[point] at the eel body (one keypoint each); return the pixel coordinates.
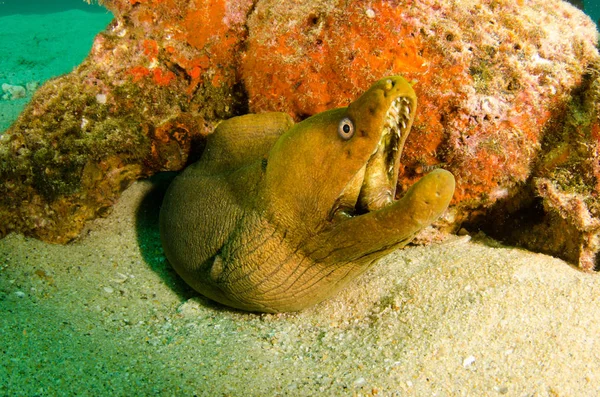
(278, 216)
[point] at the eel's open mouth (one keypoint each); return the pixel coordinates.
(374, 185)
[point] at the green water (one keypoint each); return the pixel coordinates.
(9, 7)
(592, 8)
(40, 40)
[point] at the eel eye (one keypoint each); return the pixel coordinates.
(346, 129)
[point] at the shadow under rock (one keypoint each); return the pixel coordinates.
(148, 235)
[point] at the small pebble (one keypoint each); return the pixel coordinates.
(20, 294)
(467, 362)
(32, 86)
(360, 382)
(370, 13)
(101, 98)
(191, 307)
(108, 290)
(463, 232)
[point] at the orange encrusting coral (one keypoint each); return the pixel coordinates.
(139, 72)
(479, 112)
(162, 77)
(150, 49)
(328, 60)
(201, 38)
(204, 25)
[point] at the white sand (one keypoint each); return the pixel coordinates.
(107, 316)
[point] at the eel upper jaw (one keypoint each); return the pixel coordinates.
(373, 187)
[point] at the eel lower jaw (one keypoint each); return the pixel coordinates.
(373, 187)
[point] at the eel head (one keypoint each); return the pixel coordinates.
(332, 177)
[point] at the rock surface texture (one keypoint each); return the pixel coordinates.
(509, 94)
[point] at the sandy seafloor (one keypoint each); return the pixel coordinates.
(107, 316)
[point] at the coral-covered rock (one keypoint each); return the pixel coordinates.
(154, 84)
(508, 101)
(558, 209)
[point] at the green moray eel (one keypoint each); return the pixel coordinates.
(278, 216)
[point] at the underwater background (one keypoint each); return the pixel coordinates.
(40, 40)
(106, 315)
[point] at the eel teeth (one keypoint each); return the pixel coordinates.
(398, 111)
(398, 114)
(406, 112)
